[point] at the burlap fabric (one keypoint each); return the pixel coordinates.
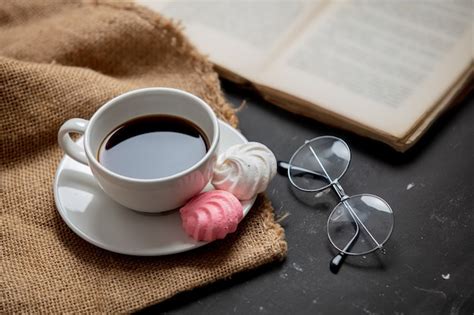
(59, 61)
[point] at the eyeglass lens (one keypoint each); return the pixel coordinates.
(309, 172)
(364, 233)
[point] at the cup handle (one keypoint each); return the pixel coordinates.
(71, 148)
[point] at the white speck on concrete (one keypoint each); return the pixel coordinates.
(438, 218)
(315, 301)
(431, 291)
(364, 309)
(410, 186)
(297, 267)
(260, 308)
(446, 276)
(283, 275)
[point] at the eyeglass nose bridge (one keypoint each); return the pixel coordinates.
(339, 190)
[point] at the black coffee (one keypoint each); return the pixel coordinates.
(153, 146)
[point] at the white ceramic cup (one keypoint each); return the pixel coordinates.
(146, 195)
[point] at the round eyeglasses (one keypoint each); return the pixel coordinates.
(359, 224)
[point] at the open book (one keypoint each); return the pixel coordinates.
(383, 69)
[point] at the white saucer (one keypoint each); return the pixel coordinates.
(102, 222)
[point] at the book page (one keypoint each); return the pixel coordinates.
(383, 64)
(238, 35)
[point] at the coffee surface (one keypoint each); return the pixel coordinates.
(152, 147)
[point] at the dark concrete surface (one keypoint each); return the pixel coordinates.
(428, 267)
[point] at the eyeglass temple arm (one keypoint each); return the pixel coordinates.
(336, 263)
(282, 169)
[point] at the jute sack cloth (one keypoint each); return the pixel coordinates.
(59, 61)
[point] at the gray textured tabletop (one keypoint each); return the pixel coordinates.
(428, 267)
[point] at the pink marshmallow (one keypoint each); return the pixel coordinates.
(211, 215)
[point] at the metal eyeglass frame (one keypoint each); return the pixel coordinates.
(337, 261)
